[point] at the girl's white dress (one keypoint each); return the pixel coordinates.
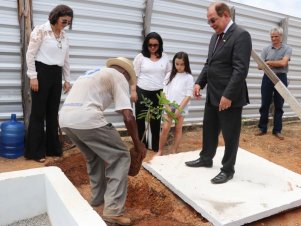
(180, 87)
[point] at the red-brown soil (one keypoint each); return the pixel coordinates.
(150, 203)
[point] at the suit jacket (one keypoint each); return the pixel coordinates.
(226, 69)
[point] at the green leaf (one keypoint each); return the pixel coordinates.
(156, 112)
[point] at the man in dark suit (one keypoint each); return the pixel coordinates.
(224, 73)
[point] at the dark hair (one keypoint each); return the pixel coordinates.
(221, 7)
(58, 11)
(182, 56)
(145, 50)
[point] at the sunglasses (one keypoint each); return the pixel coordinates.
(66, 22)
(212, 21)
(153, 45)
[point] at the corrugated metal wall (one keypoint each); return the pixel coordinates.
(113, 28)
(295, 65)
(10, 61)
(101, 29)
(259, 22)
(183, 26)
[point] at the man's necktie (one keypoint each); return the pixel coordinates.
(218, 41)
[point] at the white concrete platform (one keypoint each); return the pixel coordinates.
(259, 188)
(28, 193)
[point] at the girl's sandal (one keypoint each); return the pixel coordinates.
(42, 160)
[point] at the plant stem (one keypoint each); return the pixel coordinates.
(148, 118)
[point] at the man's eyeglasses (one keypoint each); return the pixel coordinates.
(153, 45)
(212, 21)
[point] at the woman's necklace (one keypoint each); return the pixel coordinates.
(59, 40)
(57, 36)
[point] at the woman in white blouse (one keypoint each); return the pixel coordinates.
(48, 63)
(151, 66)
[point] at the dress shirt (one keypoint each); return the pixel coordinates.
(46, 48)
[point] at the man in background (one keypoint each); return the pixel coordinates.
(276, 56)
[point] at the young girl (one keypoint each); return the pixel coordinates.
(178, 86)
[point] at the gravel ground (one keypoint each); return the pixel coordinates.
(40, 220)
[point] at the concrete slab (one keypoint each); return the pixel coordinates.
(259, 188)
(25, 194)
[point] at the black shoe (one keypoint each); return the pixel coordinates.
(199, 163)
(221, 178)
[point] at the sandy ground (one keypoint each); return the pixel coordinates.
(150, 203)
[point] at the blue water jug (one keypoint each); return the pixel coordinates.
(12, 138)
